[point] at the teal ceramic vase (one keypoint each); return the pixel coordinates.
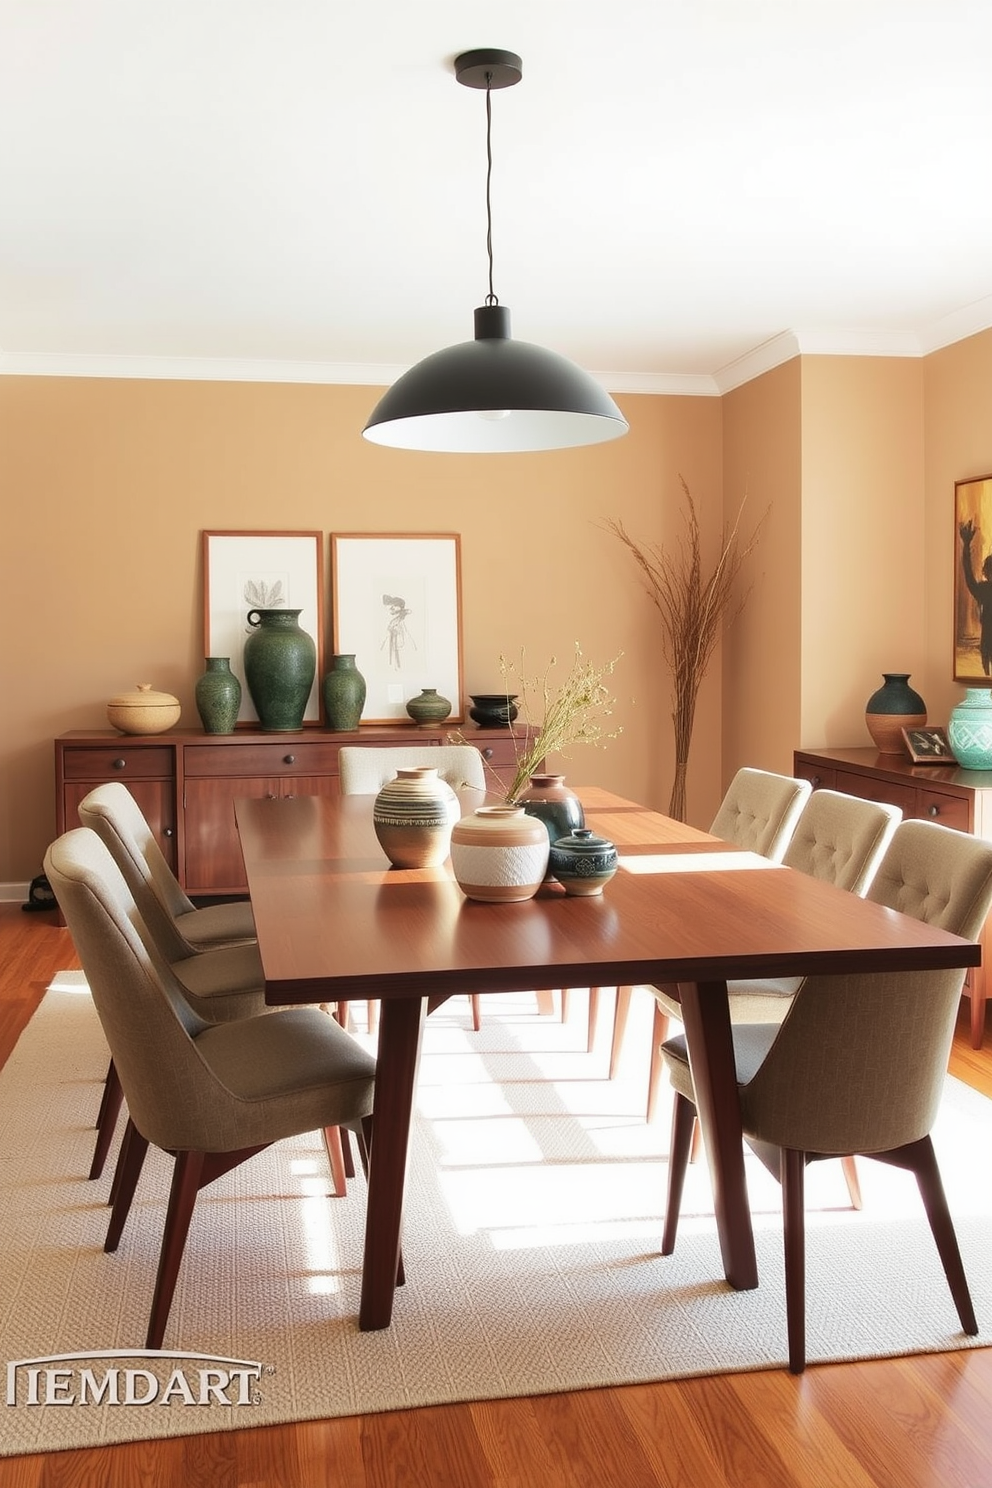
(280, 662)
(969, 729)
(218, 696)
(892, 708)
(428, 708)
(344, 694)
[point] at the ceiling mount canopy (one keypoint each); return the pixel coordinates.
(493, 394)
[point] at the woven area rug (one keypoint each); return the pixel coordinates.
(532, 1228)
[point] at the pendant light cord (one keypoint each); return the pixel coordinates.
(491, 297)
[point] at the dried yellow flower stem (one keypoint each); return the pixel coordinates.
(572, 713)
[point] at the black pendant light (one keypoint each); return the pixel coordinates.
(493, 394)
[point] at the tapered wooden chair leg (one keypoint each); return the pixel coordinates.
(793, 1207)
(545, 1003)
(106, 1121)
(850, 1167)
(129, 1166)
(473, 998)
(683, 1119)
(182, 1197)
(923, 1162)
(335, 1156)
(593, 1015)
(659, 1034)
(620, 1016)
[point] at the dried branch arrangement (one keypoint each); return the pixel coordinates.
(693, 608)
(575, 711)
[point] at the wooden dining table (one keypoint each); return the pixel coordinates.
(336, 923)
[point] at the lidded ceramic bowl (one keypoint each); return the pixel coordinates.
(582, 862)
(143, 710)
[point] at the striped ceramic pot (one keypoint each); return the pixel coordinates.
(413, 817)
(499, 854)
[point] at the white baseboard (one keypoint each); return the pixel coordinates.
(14, 893)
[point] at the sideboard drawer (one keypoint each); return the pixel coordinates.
(950, 811)
(870, 788)
(119, 761)
(272, 760)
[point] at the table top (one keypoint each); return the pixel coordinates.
(335, 921)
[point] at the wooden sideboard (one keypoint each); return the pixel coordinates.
(186, 782)
(942, 793)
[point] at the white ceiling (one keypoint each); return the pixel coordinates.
(295, 188)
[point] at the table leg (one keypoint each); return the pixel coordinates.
(401, 1022)
(706, 1018)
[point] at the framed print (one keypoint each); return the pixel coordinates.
(245, 571)
(929, 746)
(397, 605)
(973, 580)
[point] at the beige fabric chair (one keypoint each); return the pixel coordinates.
(759, 814)
(172, 917)
(364, 771)
(858, 1063)
(211, 1094)
(213, 952)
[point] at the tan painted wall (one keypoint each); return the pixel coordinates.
(958, 396)
(762, 662)
(864, 549)
(107, 486)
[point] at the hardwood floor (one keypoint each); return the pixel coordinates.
(915, 1422)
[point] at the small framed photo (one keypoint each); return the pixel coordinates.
(245, 571)
(396, 600)
(928, 746)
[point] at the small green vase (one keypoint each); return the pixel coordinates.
(428, 708)
(344, 694)
(280, 662)
(218, 696)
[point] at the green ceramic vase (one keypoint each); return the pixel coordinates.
(280, 662)
(344, 694)
(218, 696)
(429, 707)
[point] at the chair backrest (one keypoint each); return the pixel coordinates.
(760, 811)
(365, 770)
(150, 1027)
(112, 812)
(841, 839)
(858, 1064)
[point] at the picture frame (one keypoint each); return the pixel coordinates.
(929, 746)
(396, 604)
(244, 571)
(973, 580)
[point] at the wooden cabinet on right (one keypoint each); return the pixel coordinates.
(942, 793)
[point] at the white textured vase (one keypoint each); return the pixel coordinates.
(499, 854)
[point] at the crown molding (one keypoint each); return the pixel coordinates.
(958, 325)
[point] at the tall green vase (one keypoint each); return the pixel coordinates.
(344, 694)
(218, 696)
(280, 661)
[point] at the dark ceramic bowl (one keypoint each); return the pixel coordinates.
(582, 862)
(493, 709)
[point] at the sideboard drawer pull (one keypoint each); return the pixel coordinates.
(934, 811)
(120, 764)
(168, 832)
(289, 759)
(487, 753)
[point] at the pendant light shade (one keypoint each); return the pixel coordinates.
(493, 394)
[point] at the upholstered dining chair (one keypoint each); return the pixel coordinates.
(211, 1094)
(214, 958)
(759, 814)
(858, 1063)
(171, 915)
(839, 839)
(365, 770)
